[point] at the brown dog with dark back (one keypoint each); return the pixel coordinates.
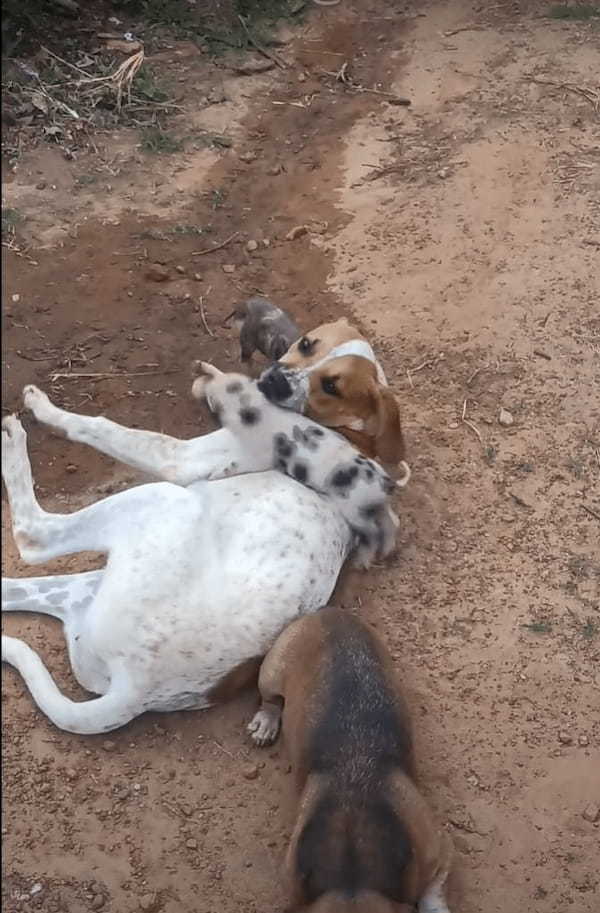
(364, 840)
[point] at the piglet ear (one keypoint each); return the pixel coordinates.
(389, 441)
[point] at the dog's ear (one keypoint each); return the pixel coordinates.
(389, 441)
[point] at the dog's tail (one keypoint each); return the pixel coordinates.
(59, 596)
(403, 482)
(102, 714)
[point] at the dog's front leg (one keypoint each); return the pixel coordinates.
(182, 462)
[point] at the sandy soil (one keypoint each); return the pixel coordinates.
(463, 234)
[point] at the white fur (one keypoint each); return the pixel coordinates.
(200, 575)
(292, 441)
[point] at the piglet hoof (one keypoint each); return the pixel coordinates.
(264, 727)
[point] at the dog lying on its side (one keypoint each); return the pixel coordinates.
(364, 840)
(314, 456)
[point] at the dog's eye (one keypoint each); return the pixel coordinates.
(328, 386)
(305, 345)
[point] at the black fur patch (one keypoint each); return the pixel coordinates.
(308, 437)
(343, 478)
(358, 740)
(300, 472)
(283, 446)
(234, 387)
(249, 416)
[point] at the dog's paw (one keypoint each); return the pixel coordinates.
(264, 727)
(14, 446)
(37, 402)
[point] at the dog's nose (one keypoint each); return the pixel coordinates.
(275, 385)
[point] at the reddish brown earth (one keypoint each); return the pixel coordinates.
(473, 264)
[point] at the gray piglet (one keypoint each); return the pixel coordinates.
(265, 327)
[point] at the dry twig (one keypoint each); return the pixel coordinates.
(469, 424)
(211, 250)
(203, 315)
(262, 50)
(109, 374)
(591, 511)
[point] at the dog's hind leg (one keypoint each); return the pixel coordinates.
(60, 596)
(114, 709)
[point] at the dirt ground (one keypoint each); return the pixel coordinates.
(463, 235)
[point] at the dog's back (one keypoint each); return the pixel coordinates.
(354, 841)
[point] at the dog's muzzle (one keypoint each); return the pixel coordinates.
(274, 385)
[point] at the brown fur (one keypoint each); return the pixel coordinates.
(305, 668)
(359, 397)
(235, 680)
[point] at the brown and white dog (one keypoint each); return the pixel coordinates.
(364, 840)
(332, 376)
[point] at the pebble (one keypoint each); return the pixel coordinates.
(453, 425)
(97, 902)
(191, 844)
(565, 738)
(248, 156)
(36, 888)
(41, 185)
(591, 812)
(250, 772)
(148, 902)
(71, 467)
(197, 277)
(228, 268)
(108, 745)
(180, 269)
(157, 273)
(443, 173)
(505, 418)
(275, 169)
(583, 741)
(252, 245)
(15, 298)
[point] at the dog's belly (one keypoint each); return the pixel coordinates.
(186, 602)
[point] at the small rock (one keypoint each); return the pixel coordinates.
(148, 902)
(252, 245)
(71, 467)
(453, 425)
(301, 77)
(41, 185)
(108, 745)
(583, 741)
(97, 902)
(36, 889)
(591, 812)
(473, 780)
(228, 268)
(156, 273)
(197, 277)
(180, 269)
(250, 772)
(275, 169)
(565, 738)
(15, 298)
(248, 157)
(505, 418)
(266, 242)
(296, 232)
(443, 173)
(122, 794)
(191, 844)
